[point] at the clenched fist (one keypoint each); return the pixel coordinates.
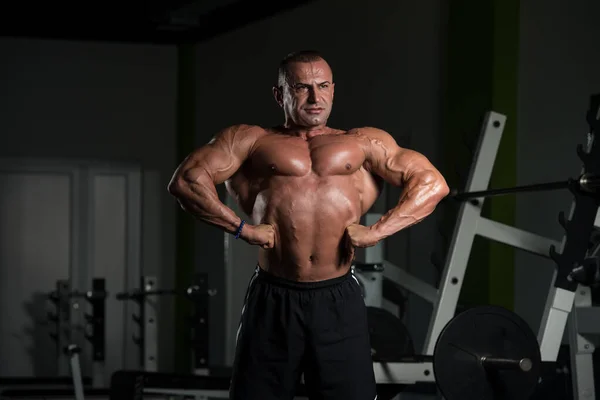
(361, 236)
(262, 235)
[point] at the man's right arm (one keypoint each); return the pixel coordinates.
(195, 179)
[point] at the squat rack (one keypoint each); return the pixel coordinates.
(564, 293)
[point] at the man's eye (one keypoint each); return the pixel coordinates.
(324, 86)
(300, 88)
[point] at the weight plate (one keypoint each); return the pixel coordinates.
(485, 331)
(390, 340)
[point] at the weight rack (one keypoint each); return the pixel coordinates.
(148, 297)
(585, 321)
(563, 294)
(146, 319)
(65, 300)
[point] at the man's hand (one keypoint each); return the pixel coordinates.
(262, 235)
(362, 236)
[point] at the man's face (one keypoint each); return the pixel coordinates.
(307, 96)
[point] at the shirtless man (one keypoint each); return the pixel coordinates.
(305, 187)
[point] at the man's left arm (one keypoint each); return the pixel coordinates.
(423, 186)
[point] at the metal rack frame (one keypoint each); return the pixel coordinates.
(560, 302)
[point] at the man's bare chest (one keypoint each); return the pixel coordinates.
(324, 156)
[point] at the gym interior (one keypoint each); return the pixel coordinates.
(110, 291)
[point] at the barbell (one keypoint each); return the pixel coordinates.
(483, 353)
(586, 182)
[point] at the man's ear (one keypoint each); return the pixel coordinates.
(278, 94)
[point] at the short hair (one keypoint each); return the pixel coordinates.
(298, 56)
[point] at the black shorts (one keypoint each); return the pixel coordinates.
(292, 330)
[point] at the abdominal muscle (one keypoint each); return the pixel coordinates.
(310, 217)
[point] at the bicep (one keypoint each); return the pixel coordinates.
(395, 164)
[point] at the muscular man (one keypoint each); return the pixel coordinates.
(305, 187)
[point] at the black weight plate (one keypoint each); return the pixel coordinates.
(485, 331)
(390, 340)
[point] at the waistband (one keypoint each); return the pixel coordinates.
(268, 277)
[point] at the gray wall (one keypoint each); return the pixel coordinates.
(101, 101)
(559, 65)
(386, 61)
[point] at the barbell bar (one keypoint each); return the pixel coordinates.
(523, 364)
(587, 182)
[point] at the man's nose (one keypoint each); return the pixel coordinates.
(312, 95)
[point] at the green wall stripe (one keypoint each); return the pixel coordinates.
(468, 97)
(186, 127)
(482, 46)
(505, 100)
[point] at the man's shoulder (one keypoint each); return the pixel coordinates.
(249, 129)
(370, 133)
(367, 130)
(241, 132)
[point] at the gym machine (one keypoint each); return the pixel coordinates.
(577, 270)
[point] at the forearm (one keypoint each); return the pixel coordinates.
(419, 198)
(199, 197)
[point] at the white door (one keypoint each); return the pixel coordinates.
(37, 207)
(114, 209)
(73, 221)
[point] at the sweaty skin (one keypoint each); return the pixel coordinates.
(305, 185)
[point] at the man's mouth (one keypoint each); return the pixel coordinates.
(313, 110)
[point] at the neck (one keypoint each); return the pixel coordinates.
(305, 132)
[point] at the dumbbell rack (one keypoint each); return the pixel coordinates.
(564, 295)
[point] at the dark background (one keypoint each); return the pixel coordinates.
(146, 84)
